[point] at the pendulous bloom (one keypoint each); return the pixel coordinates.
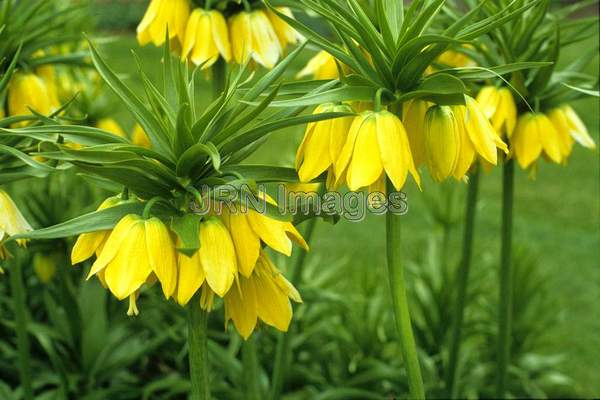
(160, 15)
(442, 141)
(12, 222)
(91, 243)
(136, 250)
(498, 105)
(413, 118)
(534, 135)
(570, 128)
(285, 33)
(206, 37)
(321, 66)
(28, 91)
(322, 144)
(253, 36)
(264, 295)
(376, 145)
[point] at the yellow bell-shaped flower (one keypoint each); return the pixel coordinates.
(533, 134)
(206, 37)
(215, 262)
(136, 249)
(250, 229)
(12, 222)
(29, 91)
(442, 141)
(253, 36)
(160, 15)
(569, 125)
(377, 143)
(322, 144)
(321, 66)
(413, 118)
(264, 295)
(285, 33)
(498, 105)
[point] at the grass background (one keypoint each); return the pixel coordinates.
(557, 215)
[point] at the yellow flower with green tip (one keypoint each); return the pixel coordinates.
(206, 37)
(135, 249)
(160, 15)
(322, 144)
(12, 222)
(442, 141)
(264, 295)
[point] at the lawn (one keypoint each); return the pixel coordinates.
(557, 217)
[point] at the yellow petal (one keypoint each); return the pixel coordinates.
(488, 99)
(86, 246)
(389, 136)
(217, 255)
(191, 33)
(265, 45)
(414, 122)
(578, 129)
(442, 142)
(273, 304)
(241, 37)
(246, 241)
(190, 277)
(240, 306)
(549, 138)
(480, 131)
(161, 254)
(526, 141)
(270, 231)
(467, 152)
(316, 152)
(113, 243)
(346, 154)
(365, 166)
(220, 34)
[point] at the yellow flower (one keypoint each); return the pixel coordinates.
(376, 143)
(442, 141)
(264, 295)
(44, 266)
(413, 117)
(321, 66)
(29, 91)
(249, 229)
(252, 35)
(570, 126)
(12, 221)
(91, 243)
(140, 138)
(214, 263)
(206, 37)
(498, 105)
(456, 59)
(535, 133)
(160, 15)
(322, 144)
(135, 249)
(285, 33)
(112, 126)
(477, 137)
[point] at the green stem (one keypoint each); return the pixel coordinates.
(400, 303)
(250, 362)
(20, 310)
(198, 351)
(282, 352)
(219, 71)
(462, 280)
(505, 303)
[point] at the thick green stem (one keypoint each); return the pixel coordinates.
(20, 310)
(282, 352)
(250, 362)
(198, 351)
(462, 280)
(400, 303)
(219, 71)
(505, 300)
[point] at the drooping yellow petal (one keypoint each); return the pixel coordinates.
(86, 245)
(220, 34)
(217, 255)
(11, 220)
(480, 131)
(345, 155)
(130, 268)
(365, 166)
(285, 33)
(161, 255)
(505, 118)
(442, 142)
(246, 242)
(270, 231)
(273, 304)
(413, 118)
(191, 33)
(241, 37)
(467, 152)
(560, 123)
(393, 157)
(241, 307)
(578, 129)
(266, 48)
(321, 66)
(549, 138)
(113, 243)
(190, 277)
(488, 99)
(526, 141)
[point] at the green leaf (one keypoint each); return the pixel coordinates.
(187, 229)
(25, 158)
(91, 222)
(346, 93)
(85, 135)
(263, 173)
(196, 156)
(437, 86)
(480, 73)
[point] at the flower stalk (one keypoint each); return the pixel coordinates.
(505, 300)
(462, 280)
(20, 310)
(250, 362)
(400, 303)
(198, 351)
(282, 351)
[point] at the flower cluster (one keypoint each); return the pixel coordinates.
(204, 35)
(231, 263)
